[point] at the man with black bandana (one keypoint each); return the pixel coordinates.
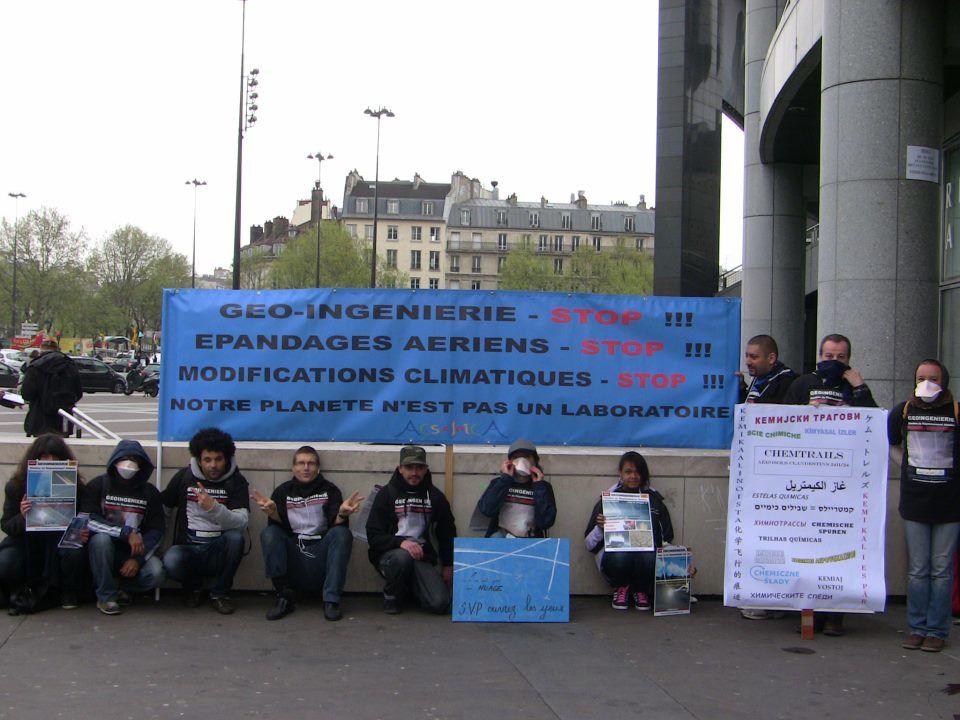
(834, 382)
(307, 542)
(770, 378)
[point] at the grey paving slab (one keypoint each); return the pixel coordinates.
(160, 660)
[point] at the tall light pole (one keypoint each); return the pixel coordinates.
(318, 156)
(193, 267)
(16, 221)
(246, 120)
(380, 112)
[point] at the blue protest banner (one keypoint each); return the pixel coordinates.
(442, 366)
(511, 580)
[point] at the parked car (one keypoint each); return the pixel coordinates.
(97, 376)
(9, 376)
(13, 358)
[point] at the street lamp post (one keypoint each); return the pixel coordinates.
(319, 157)
(16, 221)
(193, 266)
(380, 112)
(246, 120)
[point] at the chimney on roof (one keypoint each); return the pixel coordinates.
(581, 199)
(572, 196)
(268, 229)
(643, 202)
(417, 181)
(256, 233)
(280, 225)
(496, 190)
(543, 201)
(512, 200)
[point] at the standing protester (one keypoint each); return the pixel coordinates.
(770, 378)
(398, 533)
(213, 509)
(50, 383)
(307, 542)
(927, 427)
(519, 503)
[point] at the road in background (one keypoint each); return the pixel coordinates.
(133, 416)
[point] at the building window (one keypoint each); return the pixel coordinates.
(393, 232)
(455, 240)
(392, 259)
(465, 218)
(558, 243)
(526, 239)
(455, 263)
(534, 219)
(501, 217)
(478, 240)
(414, 259)
(544, 244)
(558, 266)
(434, 234)
(639, 243)
(434, 259)
(596, 243)
(565, 221)
(595, 222)
(393, 207)
(575, 243)
(474, 284)
(352, 230)
(363, 205)
(416, 232)
(476, 264)
(502, 242)
(501, 261)
(434, 283)
(368, 232)
(628, 223)
(426, 207)
(414, 283)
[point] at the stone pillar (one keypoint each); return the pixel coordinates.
(773, 215)
(881, 90)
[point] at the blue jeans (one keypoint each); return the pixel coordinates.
(633, 569)
(106, 555)
(218, 559)
(930, 549)
(326, 570)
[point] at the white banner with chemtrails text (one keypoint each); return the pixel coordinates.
(807, 508)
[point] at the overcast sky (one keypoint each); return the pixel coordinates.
(111, 105)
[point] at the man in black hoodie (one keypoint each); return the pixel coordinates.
(834, 383)
(125, 527)
(50, 383)
(398, 533)
(770, 378)
(213, 509)
(307, 542)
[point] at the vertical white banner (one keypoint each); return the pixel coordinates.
(807, 508)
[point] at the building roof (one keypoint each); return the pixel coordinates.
(402, 189)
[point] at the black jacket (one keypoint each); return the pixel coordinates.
(505, 490)
(770, 388)
(307, 509)
(811, 386)
(399, 500)
(36, 382)
(231, 511)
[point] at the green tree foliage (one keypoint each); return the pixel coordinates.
(620, 270)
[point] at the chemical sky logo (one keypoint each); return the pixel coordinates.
(452, 429)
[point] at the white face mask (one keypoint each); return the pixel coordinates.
(522, 466)
(927, 390)
(127, 468)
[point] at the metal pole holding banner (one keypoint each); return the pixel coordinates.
(106, 432)
(448, 473)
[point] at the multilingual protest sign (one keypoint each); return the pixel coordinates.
(442, 366)
(807, 508)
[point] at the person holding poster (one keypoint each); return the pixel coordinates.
(307, 542)
(30, 561)
(125, 528)
(398, 532)
(213, 509)
(770, 378)
(519, 503)
(926, 426)
(834, 382)
(630, 572)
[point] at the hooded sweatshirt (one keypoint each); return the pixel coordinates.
(307, 510)
(523, 509)
(929, 478)
(118, 507)
(404, 512)
(231, 510)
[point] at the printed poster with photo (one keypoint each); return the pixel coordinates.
(627, 526)
(671, 596)
(52, 492)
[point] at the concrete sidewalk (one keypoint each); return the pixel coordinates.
(165, 661)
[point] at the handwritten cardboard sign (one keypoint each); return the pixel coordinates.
(511, 580)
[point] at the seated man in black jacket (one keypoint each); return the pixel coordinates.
(398, 532)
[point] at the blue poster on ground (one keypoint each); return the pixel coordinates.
(444, 366)
(511, 580)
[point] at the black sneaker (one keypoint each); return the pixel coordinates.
(124, 598)
(192, 598)
(68, 600)
(222, 605)
(391, 605)
(331, 611)
(283, 607)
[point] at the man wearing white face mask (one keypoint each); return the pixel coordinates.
(927, 427)
(126, 527)
(519, 503)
